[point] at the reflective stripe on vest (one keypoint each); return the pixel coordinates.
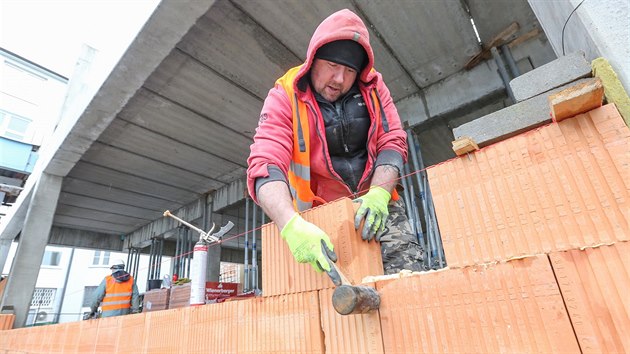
(300, 168)
(117, 295)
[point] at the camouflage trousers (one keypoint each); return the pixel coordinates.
(399, 246)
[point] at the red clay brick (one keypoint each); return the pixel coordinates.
(595, 284)
(502, 308)
(87, 336)
(349, 334)
(212, 329)
(560, 187)
(282, 324)
(164, 330)
(108, 335)
(132, 328)
(281, 274)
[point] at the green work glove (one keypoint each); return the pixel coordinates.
(305, 242)
(374, 209)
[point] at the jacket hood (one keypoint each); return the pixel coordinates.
(121, 276)
(343, 24)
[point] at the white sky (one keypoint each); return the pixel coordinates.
(51, 32)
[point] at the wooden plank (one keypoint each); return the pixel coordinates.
(464, 145)
(576, 99)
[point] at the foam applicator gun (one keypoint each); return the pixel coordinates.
(347, 298)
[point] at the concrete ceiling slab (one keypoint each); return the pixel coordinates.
(161, 116)
(191, 84)
(85, 213)
(107, 176)
(432, 39)
(107, 206)
(103, 192)
(493, 17)
(235, 46)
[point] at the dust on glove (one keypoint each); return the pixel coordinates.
(374, 209)
(305, 242)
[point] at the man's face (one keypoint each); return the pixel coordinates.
(331, 80)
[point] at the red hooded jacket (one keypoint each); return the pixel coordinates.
(273, 141)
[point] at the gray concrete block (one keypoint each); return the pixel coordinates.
(551, 75)
(511, 120)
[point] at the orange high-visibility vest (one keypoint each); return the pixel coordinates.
(300, 168)
(117, 295)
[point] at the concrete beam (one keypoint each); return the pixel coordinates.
(463, 91)
(62, 236)
(229, 195)
(33, 239)
(142, 236)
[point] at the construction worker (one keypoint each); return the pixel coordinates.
(117, 294)
(329, 129)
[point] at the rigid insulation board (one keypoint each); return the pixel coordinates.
(595, 284)
(212, 329)
(165, 330)
(108, 335)
(281, 274)
(350, 334)
(280, 324)
(559, 187)
(512, 307)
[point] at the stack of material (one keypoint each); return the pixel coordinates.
(180, 296)
(156, 300)
(531, 90)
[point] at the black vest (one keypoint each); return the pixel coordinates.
(347, 122)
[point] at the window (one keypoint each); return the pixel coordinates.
(43, 297)
(51, 258)
(13, 126)
(88, 295)
(101, 258)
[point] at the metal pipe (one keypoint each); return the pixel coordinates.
(503, 72)
(136, 266)
(407, 198)
(128, 258)
(507, 53)
(254, 256)
(419, 169)
(65, 286)
(412, 198)
(174, 260)
(416, 157)
(437, 237)
(246, 260)
(150, 262)
(159, 264)
(191, 244)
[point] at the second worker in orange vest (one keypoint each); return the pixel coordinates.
(117, 294)
(329, 129)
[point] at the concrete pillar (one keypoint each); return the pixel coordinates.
(597, 28)
(33, 239)
(5, 246)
